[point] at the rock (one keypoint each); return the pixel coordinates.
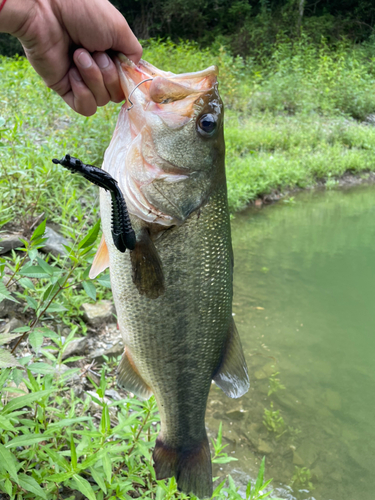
(317, 474)
(112, 352)
(288, 401)
(55, 243)
(260, 375)
(308, 453)
(76, 346)
(72, 377)
(370, 119)
(336, 477)
(8, 395)
(264, 447)
(12, 325)
(98, 313)
(254, 427)
(265, 371)
(252, 433)
(111, 393)
(8, 308)
(297, 459)
(10, 242)
(215, 403)
(236, 414)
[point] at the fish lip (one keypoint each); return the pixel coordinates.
(153, 71)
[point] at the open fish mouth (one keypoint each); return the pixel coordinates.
(159, 104)
(163, 92)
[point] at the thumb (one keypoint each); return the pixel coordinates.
(125, 41)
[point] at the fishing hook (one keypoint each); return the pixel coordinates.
(122, 232)
(135, 88)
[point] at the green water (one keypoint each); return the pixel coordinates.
(304, 305)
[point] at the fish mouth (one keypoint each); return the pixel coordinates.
(153, 98)
(172, 97)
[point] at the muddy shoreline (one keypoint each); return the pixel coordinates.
(346, 181)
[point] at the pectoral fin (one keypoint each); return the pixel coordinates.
(101, 260)
(232, 376)
(129, 378)
(147, 271)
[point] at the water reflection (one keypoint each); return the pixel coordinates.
(304, 307)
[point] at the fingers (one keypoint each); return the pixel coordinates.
(93, 82)
(80, 98)
(92, 76)
(110, 76)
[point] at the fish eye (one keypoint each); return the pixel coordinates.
(206, 124)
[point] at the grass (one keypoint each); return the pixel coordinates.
(267, 153)
(291, 120)
(53, 441)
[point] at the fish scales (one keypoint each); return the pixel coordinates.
(177, 340)
(173, 292)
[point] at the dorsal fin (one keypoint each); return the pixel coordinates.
(101, 260)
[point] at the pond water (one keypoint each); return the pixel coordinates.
(304, 304)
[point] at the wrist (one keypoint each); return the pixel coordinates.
(14, 15)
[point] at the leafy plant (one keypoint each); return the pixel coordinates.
(273, 421)
(275, 384)
(254, 491)
(302, 478)
(40, 285)
(220, 457)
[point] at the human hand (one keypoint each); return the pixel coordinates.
(65, 41)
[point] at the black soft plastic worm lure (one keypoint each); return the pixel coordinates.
(122, 232)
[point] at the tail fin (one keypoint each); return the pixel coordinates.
(190, 466)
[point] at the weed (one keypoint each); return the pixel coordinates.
(302, 478)
(273, 421)
(331, 181)
(275, 384)
(293, 431)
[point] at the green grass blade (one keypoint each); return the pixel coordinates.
(84, 487)
(27, 400)
(29, 484)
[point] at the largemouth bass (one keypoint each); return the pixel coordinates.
(173, 292)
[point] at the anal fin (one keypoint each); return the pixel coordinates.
(147, 272)
(101, 260)
(129, 378)
(232, 376)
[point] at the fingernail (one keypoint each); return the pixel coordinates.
(75, 74)
(102, 61)
(84, 60)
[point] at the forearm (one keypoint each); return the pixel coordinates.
(14, 16)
